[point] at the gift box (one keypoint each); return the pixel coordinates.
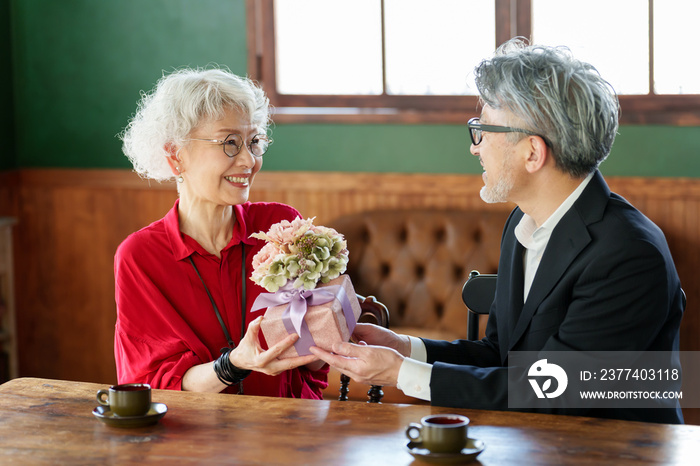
(322, 316)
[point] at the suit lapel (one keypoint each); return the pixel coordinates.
(516, 289)
(568, 239)
(509, 284)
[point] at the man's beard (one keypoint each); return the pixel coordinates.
(501, 190)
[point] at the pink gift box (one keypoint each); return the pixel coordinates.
(326, 322)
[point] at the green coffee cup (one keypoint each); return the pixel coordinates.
(440, 433)
(126, 400)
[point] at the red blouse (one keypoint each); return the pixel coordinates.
(165, 321)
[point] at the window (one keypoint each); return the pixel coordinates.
(395, 53)
(620, 53)
(387, 60)
(674, 30)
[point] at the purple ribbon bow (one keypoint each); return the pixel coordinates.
(298, 300)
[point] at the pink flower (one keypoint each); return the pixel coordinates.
(299, 251)
(285, 232)
(264, 257)
(321, 230)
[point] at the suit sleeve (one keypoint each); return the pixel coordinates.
(468, 373)
(619, 300)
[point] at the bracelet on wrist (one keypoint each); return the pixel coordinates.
(226, 372)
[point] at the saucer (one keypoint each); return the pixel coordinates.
(104, 414)
(469, 453)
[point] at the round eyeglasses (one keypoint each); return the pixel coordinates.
(476, 130)
(233, 143)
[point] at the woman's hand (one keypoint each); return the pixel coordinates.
(249, 354)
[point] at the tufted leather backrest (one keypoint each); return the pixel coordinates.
(416, 262)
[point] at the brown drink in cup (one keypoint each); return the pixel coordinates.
(440, 433)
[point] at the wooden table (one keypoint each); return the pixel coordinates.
(50, 421)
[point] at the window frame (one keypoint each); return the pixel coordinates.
(512, 19)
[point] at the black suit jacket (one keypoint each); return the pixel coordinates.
(606, 282)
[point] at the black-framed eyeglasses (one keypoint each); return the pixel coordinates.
(233, 143)
(476, 130)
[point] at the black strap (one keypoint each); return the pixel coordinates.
(240, 376)
(231, 344)
(243, 300)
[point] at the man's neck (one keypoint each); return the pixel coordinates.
(547, 193)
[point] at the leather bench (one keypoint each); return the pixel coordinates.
(416, 262)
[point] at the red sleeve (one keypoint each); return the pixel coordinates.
(314, 382)
(160, 366)
(152, 343)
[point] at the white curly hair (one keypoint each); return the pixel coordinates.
(179, 103)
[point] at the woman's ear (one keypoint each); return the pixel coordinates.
(538, 154)
(173, 158)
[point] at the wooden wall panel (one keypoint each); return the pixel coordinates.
(71, 222)
(70, 225)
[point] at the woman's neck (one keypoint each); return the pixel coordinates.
(210, 225)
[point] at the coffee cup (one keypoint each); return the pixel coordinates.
(440, 433)
(126, 400)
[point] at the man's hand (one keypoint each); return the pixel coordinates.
(374, 335)
(372, 365)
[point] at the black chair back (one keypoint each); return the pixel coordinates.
(478, 293)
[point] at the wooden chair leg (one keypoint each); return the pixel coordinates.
(373, 312)
(375, 394)
(344, 382)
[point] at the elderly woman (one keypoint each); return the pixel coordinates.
(182, 287)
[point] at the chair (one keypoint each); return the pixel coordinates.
(478, 293)
(373, 312)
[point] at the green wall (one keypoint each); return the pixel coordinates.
(7, 128)
(78, 67)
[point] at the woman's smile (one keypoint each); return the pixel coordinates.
(242, 180)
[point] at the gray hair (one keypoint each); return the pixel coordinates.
(556, 96)
(178, 104)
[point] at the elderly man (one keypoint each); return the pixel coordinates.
(580, 268)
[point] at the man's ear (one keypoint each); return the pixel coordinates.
(538, 154)
(173, 158)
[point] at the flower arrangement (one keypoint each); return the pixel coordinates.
(299, 251)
